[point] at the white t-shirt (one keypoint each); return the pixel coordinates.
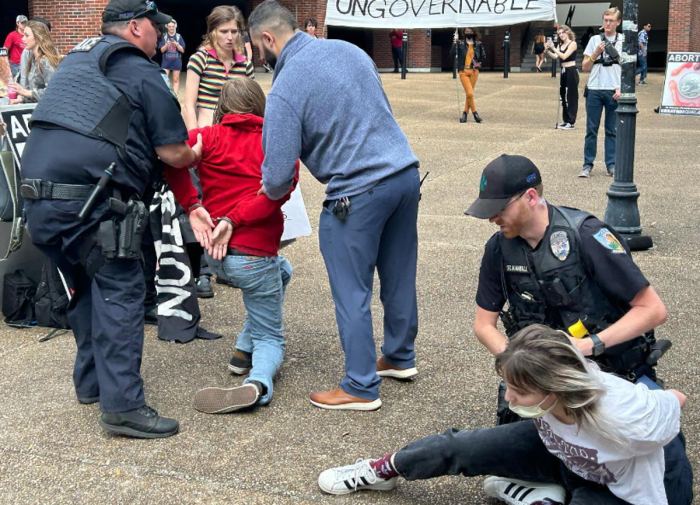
(603, 77)
(635, 474)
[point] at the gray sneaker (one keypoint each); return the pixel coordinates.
(585, 171)
(566, 126)
(611, 170)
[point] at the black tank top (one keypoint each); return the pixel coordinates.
(572, 56)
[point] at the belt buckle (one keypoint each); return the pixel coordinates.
(31, 188)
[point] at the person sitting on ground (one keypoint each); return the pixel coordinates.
(243, 247)
(41, 67)
(595, 434)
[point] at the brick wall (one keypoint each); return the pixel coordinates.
(684, 25)
(71, 20)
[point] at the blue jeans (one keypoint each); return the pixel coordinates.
(379, 232)
(516, 451)
(263, 281)
(595, 103)
(641, 67)
(14, 69)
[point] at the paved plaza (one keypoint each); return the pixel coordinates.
(53, 451)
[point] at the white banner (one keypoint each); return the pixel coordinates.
(408, 14)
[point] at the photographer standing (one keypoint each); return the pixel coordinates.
(568, 84)
(601, 59)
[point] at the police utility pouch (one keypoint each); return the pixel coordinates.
(131, 229)
(108, 238)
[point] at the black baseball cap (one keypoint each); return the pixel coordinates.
(126, 10)
(501, 180)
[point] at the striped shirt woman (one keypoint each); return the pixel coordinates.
(220, 58)
(213, 74)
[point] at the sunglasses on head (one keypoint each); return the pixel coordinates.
(150, 7)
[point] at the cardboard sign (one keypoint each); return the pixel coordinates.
(681, 92)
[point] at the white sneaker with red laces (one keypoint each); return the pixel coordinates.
(351, 478)
(520, 492)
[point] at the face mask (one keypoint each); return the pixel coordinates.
(533, 411)
(469, 36)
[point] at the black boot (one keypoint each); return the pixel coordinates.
(463, 119)
(477, 118)
(140, 423)
(203, 287)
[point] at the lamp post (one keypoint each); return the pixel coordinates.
(404, 53)
(622, 212)
(506, 54)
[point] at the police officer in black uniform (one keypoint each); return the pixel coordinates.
(560, 267)
(110, 106)
(564, 268)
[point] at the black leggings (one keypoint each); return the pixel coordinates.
(568, 90)
(516, 451)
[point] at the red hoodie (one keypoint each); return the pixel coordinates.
(230, 176)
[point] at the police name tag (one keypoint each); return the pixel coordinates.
(518, 269)
(87, 45)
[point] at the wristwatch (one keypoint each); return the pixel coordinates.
(598, 345)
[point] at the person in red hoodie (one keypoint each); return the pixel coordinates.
(241, 233)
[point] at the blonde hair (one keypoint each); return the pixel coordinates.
(569, 32)
(220, 15)
(240, 96)
(541, 360)
(46, 48)
(615, 11)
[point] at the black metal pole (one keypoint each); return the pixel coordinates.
(455, 63)
(404, 54)
(554, 62)
(622, 212)
(506, 54)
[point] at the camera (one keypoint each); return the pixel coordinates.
(610, 55)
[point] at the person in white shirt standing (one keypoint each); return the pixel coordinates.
(599, 436)
(602, 59)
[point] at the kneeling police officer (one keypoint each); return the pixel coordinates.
(563, 268)
(110, 106)
(568, 270)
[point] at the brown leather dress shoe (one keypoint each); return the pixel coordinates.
(386, 369)
(337, 399)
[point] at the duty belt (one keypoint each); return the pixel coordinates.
(36, 189)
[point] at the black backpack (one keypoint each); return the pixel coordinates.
(51, 299)
(17, 299)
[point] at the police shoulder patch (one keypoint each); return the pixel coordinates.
(87, 44)
(560, 245)
(606, 238)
